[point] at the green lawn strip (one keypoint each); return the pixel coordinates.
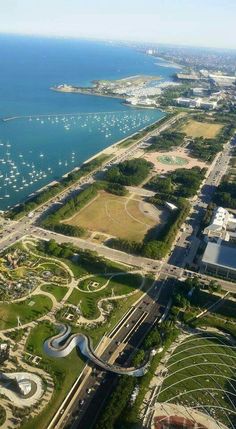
(119, 285)
(56, 290)
(64, 372)
(86, 283)
(83, 268)
(199, 346)
(27, 312)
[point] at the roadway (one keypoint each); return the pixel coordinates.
(123, 342)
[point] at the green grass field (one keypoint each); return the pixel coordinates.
(116, 216)
(28, 310)
(206, 130)
(57, 291)
(201, 372)
(119, 285)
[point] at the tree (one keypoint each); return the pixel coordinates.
(153, 339)
(214, 286)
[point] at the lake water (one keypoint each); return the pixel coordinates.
(39, 149)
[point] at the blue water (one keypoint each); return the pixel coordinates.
(33, 152)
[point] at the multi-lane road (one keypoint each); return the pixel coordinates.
(83, 407)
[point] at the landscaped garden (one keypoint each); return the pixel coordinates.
(27, 310)
(118, 286)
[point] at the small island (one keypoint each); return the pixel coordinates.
(135, 90)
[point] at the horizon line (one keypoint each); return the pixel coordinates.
(110, 40)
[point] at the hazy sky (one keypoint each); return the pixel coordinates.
(192, 22)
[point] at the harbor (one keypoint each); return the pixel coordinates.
(24, 172)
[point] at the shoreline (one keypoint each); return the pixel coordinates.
(96, 155)
(113, 145)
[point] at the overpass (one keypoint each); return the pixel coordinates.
(63, 343)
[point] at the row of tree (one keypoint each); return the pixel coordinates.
(54, 221)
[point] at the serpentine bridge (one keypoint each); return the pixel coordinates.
(63, 343)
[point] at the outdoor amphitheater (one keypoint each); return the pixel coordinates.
(198, 385)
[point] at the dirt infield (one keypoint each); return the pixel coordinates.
(201, 129)
(123, 217)
(164, 167)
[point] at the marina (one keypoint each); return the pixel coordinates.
(24, 170)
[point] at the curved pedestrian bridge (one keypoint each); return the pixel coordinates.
(63, 343)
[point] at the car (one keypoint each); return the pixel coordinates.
(89, 390)
(127, 325)
(81, 402)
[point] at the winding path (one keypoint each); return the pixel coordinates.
(62, 344)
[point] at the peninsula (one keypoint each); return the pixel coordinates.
(131, 88)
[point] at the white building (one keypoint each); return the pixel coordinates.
(220, 259)
(199, 91)
(208, 105)
(171, 206)
(198, 103)
(223, 226)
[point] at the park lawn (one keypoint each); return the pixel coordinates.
(55, 269)
(110, 214)
(84, 268)
(81, 268)
(56, 290)
(206, 130)
(197, 365)
(119, 285)
(85, 285)
(64, 371)
(27, 313)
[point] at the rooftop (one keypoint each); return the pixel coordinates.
(221, 255)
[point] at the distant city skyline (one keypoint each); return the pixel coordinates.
(207, 23)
